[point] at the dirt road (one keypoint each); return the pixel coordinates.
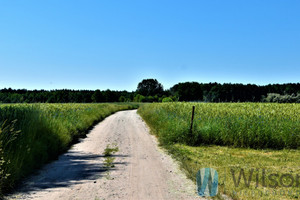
(142, 170)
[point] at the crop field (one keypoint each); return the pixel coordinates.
(33, 134)
(254, 125)
(258, 138)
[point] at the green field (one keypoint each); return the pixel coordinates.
(33, 134)
(230, 137)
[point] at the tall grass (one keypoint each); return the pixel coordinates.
(263, 126)
(254, 125)
(33, 134)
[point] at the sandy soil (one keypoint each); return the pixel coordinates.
(142, 169)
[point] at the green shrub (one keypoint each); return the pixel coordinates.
(167, 99)
(277, 98)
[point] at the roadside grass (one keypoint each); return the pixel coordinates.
(34, 134)
(231, 137)
(229, 159)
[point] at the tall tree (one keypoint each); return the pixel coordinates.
(149, 87)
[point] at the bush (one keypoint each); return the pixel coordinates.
(167, 99)
(277, 98)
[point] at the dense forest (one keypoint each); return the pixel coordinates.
(228, 92)
(150, 90)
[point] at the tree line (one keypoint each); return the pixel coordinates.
(228, 92)
(150, 90)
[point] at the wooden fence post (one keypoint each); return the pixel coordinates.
(193, 111)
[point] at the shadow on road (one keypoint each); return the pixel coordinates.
(71, 168)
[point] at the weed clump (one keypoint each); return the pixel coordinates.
(109, 160)
(108, 151)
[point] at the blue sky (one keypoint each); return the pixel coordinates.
(115, 44)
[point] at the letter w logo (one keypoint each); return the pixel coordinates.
(207, 182)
